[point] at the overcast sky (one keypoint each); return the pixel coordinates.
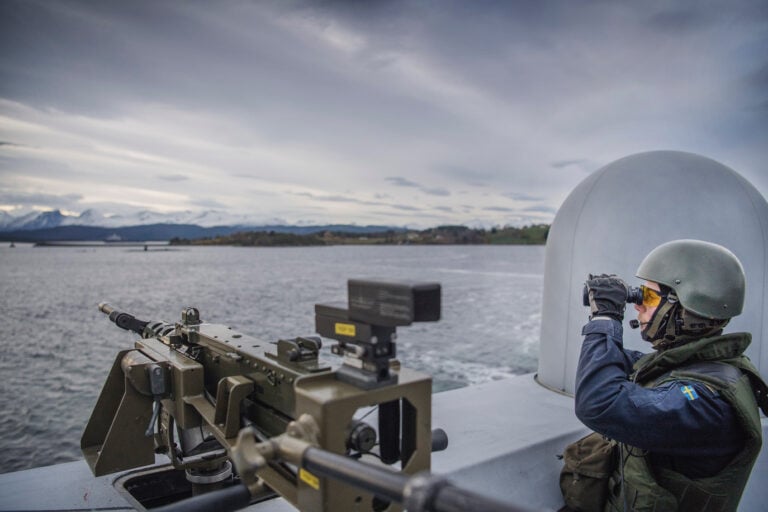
(379, 112)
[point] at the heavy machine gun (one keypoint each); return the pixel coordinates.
(241, 419)
(188, 388)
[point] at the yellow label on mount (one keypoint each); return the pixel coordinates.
(309, 479)
(345, 329)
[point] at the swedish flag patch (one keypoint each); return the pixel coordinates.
(689, 392)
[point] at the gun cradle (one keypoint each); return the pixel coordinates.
(114, 439)
(224, 381)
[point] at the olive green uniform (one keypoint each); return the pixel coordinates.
(718, 363)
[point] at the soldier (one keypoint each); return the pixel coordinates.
(686, 415)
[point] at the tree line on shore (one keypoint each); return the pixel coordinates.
(442, 235)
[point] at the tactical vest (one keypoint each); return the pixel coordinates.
(718, 363)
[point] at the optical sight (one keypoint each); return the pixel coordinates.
(365, 329)
(393, 304)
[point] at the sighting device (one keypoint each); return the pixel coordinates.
(365, 330)
(211, 398)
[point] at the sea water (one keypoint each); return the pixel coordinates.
(57, 348)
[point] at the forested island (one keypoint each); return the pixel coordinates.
(442, 235)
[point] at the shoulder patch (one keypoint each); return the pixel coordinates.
(689, 392)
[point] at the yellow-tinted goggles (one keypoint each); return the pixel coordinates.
(651, 297)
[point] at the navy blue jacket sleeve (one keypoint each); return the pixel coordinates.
(677, 418)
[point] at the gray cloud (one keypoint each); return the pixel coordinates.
(403, 182)
(173, 177)
(759, 78)
(679, 19)
(520, 196)
(210, 203)
(437, 191)
(541, 209)
(560, 164)
(337, 199)
(29, 199)
(466, 175)
(407, 207)
(114, 100)
(349, 199)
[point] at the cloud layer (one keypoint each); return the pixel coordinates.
(405, 113)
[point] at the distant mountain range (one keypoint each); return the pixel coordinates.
(147, 226)
(55, 218)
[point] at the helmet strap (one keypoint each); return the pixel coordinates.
(656, 329)
(672, 325)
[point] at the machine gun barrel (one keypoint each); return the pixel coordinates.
(123, 320)
(417, 493)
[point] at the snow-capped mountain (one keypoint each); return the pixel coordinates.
(5, 218)
(33, 220)
(55, 218)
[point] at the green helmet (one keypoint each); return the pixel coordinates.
(707, 278)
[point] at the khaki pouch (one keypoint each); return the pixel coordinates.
(589, 463)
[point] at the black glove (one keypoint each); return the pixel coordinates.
(607, 296)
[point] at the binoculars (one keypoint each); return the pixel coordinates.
(634, 295)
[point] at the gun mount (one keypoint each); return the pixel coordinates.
(188, 389)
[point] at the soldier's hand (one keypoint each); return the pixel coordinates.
(607, 296)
